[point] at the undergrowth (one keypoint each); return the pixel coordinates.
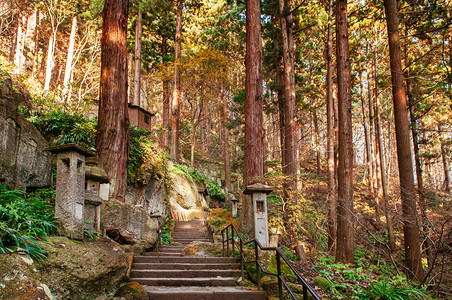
(343, 281)
(25, 219)
(61, 128)
(214, 189)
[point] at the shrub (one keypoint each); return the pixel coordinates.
(61, 128)
(24, 219)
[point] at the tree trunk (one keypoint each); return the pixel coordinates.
(176, 86)
(193, 145)
(20, 40)
(49, 62)
(36, 48)
(166, 98)
(366, 132)
(445, 165)
(371, 143)
(226, 158)
(137, 75)
(378, 167)
(331, 200)
(402, 126)
(317, 141)
(254, 133)
(13, 45)
(70, 55)
(290, 168)
(112, 141)
(345, 219)
(384, 185)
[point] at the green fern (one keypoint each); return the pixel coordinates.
(24, 219)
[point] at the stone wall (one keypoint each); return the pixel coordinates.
(23, 161)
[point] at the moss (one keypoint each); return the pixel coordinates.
(132, 290)
(324, 283)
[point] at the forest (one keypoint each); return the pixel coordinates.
(343, 106)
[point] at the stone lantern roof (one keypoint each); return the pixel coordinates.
(258, 187)
(96, 174)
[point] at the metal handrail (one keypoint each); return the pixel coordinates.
(231, 230)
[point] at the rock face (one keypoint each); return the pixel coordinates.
(20, 279)
(23, 161)
(129, 225)
(151, 196)
(76, 270)
(184, 197)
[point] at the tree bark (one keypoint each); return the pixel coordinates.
(317, 140)
(384, 185)
(20, 41)
(49, 62)
(290, 167)
(70, 55)
(371, 139)
(112, 141)
(377, 156)
(36, 48)
(331, 200)
(226, 156)
(402, 126)
(137, 75)
(366, 131)
(446, 184)
(345, 219)
(254, 141)
(166, 98)
(176, 86)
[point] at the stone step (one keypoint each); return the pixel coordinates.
(183, 259)
(202, 293)
(180, 281)
(185, 266)
(176, 273)
(188, 241)
(177, 250)
(175, 254)
(190, 236)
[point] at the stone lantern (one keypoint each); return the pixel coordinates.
(96, 191)
(70, 188)
(259, 192)
(235, 205)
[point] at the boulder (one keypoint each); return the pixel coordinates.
(20, 279)
(23, 161)
(184, 197)
(82, 270)
(129, 225)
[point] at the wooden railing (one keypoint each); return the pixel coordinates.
(229, 235)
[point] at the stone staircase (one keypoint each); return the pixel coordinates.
(168, 274)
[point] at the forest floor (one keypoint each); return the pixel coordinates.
(376, 267)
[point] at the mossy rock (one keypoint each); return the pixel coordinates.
(132, 290)
(324, 283)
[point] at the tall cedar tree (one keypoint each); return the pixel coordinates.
(165, 95)
(254, 133)
(345, 242)
(290, 168)
(137, 75)
(176, 87)
(402, 126)
(112, 141)
(330, 135)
